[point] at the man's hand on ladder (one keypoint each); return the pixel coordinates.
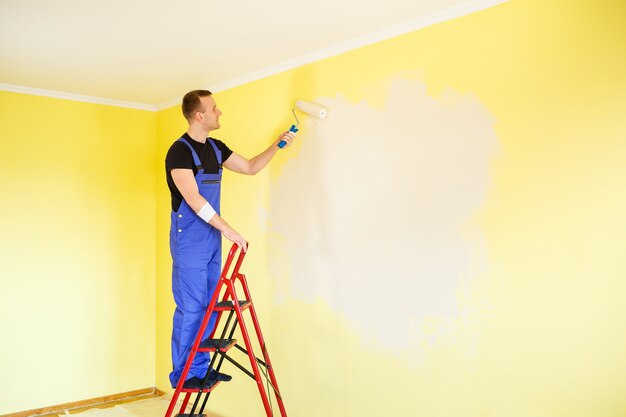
(235, 237)
(229, 233)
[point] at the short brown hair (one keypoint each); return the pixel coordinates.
(192, 104)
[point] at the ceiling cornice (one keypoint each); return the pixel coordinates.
(449, 13)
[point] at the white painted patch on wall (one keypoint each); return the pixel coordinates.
(375, 212)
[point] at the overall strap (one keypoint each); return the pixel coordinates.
(218, 154)
(196, 158)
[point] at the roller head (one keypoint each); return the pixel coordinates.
(312, 109)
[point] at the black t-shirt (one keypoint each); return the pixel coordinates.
(179, 156)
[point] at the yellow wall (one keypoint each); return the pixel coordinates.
(539, 326)
(77, 256)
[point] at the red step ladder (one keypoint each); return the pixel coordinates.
(234, 306)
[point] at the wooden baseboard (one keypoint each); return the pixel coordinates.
(92, 402)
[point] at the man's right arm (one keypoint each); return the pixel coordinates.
(185, 182)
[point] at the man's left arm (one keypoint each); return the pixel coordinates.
(246, 166)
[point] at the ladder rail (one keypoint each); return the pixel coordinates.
(257, 327)
(246, 339)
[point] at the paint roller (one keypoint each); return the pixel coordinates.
(312, 109)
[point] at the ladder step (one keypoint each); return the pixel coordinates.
(211, 345)
(228, 305)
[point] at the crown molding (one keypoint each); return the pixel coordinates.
(408, 27)
(450, 13)
(76, 97)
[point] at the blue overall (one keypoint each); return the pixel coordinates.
(196, 249)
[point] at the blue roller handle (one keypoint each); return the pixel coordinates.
(282, 143)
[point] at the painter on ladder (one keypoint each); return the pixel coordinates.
(194, 173)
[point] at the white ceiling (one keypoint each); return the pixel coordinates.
(152, 52)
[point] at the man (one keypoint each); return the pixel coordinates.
(194, 171)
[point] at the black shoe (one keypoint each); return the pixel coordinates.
(195, 383)
(215, 375)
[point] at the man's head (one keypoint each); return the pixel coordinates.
(199, 107)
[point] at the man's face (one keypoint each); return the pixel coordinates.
(210, 116)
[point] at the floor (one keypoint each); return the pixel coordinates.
(151, 407)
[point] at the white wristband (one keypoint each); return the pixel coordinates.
(206, 212)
